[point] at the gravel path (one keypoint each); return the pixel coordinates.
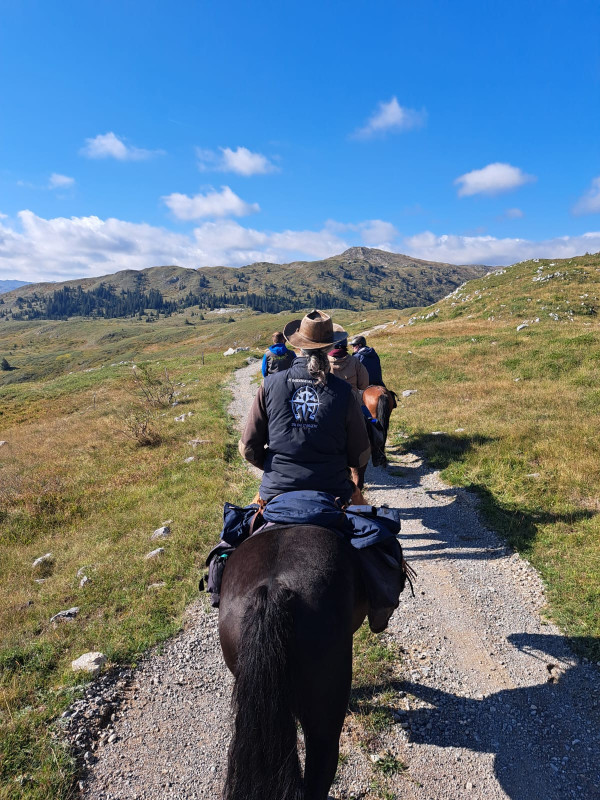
(489, 702)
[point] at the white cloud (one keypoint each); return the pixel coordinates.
(496, 252)
(37, 249)
(108, 145)
(513, 213)
(241, 161)
(391, 117)
(373, 232)
(58, 181)
(225, 203)
(493, 179)
(590, 202)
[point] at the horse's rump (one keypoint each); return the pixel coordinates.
(290, 601)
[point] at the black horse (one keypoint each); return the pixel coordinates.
(291, 600)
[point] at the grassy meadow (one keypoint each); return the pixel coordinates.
(516, 416)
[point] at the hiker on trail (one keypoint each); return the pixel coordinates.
(345, 366)
(305, 428)
(277, 357)
(369, 358)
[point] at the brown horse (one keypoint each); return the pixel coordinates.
(291, 600)
(380, 402)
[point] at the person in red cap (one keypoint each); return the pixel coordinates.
(305, 428)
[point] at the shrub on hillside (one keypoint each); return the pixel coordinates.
(154, 390)
(139, 427)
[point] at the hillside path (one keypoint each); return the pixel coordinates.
(475, 713)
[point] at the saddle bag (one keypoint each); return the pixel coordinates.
(237, 522)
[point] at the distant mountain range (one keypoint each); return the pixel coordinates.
(361, 277)
(8, 286)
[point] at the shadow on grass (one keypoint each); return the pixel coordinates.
(443, 449)
(519, 526)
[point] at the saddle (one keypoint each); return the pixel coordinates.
(361, 526)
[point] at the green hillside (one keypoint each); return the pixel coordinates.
(530, 292)
(358, 278)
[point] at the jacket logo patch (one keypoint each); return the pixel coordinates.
(305, 404)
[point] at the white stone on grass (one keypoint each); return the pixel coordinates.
(89, 662)
(161, 533)
(155, 553)
(66, 616)
(42, 560)
(408, 392)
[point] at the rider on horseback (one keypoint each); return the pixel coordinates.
(278, 357)
(370, 359)
(305, 426)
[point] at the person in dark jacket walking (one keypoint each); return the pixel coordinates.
(369, 358)
(277, 357)
(305, 427)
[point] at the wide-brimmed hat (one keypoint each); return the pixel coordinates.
(313, 331)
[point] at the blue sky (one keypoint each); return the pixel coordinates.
(143, 133)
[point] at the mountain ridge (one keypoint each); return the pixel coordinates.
(360, 277)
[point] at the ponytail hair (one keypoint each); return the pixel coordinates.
(317, 364)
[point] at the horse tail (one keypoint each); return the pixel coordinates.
(263, 754)
(383, 411)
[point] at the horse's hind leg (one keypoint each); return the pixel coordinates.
(325, 700)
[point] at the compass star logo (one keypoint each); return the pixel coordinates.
(305, 404)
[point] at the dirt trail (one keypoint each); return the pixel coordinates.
(476, 715)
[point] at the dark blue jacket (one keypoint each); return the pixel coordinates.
(277, 358)
(307, 447)
(368, 357)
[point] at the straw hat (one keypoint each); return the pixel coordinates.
(313, 331)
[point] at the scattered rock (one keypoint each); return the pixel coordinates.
(158, 585)
(155, 553)
(43, 561)
(408, 392)
(195, 442)
(3, 443)
(180, 418)
(89, 662)
(231, 351)
(84, 581)
(162, 532)
(65, 616)
(189, 459)
(522, 325)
